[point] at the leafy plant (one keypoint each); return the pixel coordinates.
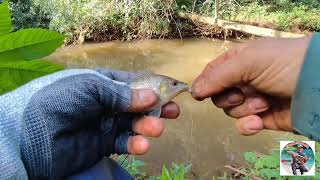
(131, 164)
(176, 172)
(101, 20)
(20, 52)
(250, 157)
(15, 74)
(29, 44)
(5, 19)
(266, 167)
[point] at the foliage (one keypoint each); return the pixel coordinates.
(100, 20)
(267, 166)
(5, 19)
(28, 44)
(86, 18)
(132, 165)
(279, 14)
(18, 48)
(176, 172)
(26, 15)
(15, 74)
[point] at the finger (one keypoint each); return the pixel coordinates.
(148, 126)
(278, 117)
(222, 73)
(228, 98)
(137, 145)
(249, 125)
(251, 106)
(142, 100)
(170, 111)
(116, 96)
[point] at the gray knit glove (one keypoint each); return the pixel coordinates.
(63, 123)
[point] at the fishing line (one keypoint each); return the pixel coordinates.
(127, 154)
(124, 159)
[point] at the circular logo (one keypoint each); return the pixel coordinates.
(297, 158)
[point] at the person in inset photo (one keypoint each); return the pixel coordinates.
(299, 160)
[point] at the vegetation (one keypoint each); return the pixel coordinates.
(21, 51)
(284, 15)
(176, 172)
(133, 166)
(101, 20)
(268, 166)
(26, 40)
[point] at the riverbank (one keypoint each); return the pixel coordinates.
(99, 21)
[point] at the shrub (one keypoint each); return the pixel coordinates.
(129, 19)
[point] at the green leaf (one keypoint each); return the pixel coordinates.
(15, 74)
(29, 44)
(165, 175)
(138, 163)
(250, 157)
(5, 19)
(270, 161)
(258, 164)
(269, 173)
(245, 178)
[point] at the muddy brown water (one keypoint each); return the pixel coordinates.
(202, 136)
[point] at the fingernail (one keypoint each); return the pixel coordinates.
(143, 95)
(235, 99)
(254, 124)
(258, 104)
(171, 108)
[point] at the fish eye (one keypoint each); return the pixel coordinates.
(174, 83)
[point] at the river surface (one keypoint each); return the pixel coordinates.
(202, 136)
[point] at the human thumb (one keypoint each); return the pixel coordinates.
(227, 70)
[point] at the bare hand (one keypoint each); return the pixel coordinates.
(254, 83)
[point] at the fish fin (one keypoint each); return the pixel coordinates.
(140, 75)
(144, 73)
(155, 112)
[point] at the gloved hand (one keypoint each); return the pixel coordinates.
(66, 122)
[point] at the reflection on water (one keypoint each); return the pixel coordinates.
(203, 135)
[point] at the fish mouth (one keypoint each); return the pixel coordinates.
(184, 87)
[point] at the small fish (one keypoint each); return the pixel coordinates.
(165, 87)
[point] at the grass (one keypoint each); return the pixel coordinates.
(108, 19)
(264, 166)
(267, 167)
(296, 17)
(133, 166)
(103, 20)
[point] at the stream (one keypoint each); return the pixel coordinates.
(203, 135)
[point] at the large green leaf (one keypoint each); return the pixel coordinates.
(29, 44)
(5, 19)
(15, 74)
